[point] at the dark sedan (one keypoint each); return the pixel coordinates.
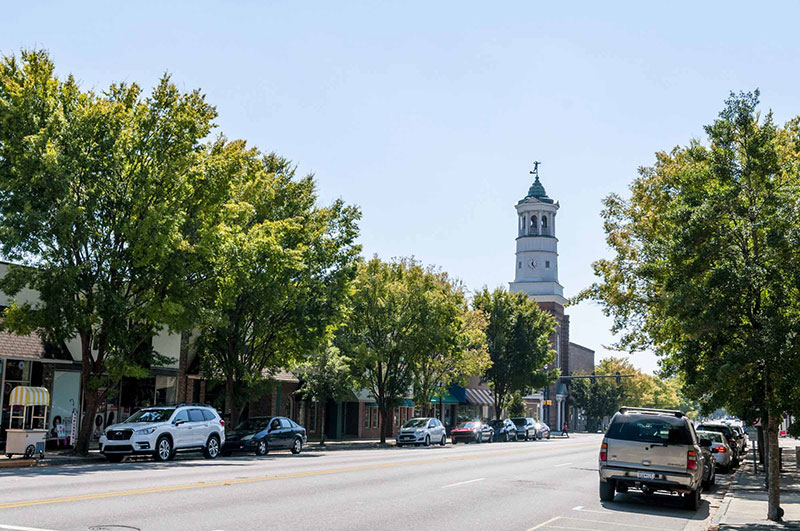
(504, 430)
(472, 431)
(262, 434)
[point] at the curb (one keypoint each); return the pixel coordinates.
(726, 501)
(17, 463)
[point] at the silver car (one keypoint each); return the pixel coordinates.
(652, 450)
(422, 430)
(723, 454)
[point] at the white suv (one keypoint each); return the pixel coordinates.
(422, 430)
(161, 431)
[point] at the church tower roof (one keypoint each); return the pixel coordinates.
(537, 188)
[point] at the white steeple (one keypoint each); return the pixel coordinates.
(536, 265)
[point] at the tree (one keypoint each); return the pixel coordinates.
(516, 406)
(383, 333)
(94, 195)
(519, 346)
(704, 268)
(279, 273)
(454, 344)
(325, 375)
(598, 399)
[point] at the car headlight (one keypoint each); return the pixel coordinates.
(418, 430)
(144, 431)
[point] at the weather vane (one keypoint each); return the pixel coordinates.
(535, 170)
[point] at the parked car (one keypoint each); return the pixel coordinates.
(731, 436)
(264, 434)
(709, 465)
(472, 431)
(526, 427)
(162, 431)
(542, 430)
(744, 437)
(422, 430)
(652, 450)
(504, 430)
(720, 451)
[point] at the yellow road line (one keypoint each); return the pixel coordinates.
(257, 479)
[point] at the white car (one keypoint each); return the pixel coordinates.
(422, 430)
(162, 431)
(723, 454)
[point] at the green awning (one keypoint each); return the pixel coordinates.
(407, 402)
(446, 399)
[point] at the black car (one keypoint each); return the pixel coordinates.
(526, 428)
(262, 434)
(504, 430)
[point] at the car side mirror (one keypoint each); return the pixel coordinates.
(705, 443)
(178, 422)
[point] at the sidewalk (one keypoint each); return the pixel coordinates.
(745, 505)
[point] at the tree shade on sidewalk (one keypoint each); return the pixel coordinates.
(745, 505)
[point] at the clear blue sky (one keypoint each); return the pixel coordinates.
(428, 114)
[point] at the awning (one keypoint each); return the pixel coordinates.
(479, 397)
(29, 396)
(446, 399)
(407, 402)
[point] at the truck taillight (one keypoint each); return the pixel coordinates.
(691, 460)
(603, 452)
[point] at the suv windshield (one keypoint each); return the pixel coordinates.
(416, 423)
(650, 429)
(253, 424)
(151, 415)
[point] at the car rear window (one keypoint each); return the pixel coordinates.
(721, 429)
(650, 429)
(207, 415)
(520, 422)
(196, 415)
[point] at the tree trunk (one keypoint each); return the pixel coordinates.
(229, 403)
(774, 511)
(385, 423)
(91, 398)
(322, 422)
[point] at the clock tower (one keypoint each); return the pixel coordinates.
(536, 267)
(536, 273)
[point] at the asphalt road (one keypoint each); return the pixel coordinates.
(512, 486)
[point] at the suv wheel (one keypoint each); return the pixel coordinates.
(297, 446)
(163, 449)
(606, 491)
(691, 500)
(211, 451)
(261, 448)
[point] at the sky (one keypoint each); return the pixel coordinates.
(429, 115)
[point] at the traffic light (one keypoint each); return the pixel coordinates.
(619, 380)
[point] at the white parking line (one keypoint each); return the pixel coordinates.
(462, 483)
(19, 528)
(562, 464)
(614, 524)
(544, 524)
(581, 509)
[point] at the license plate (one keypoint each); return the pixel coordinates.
(645, 475)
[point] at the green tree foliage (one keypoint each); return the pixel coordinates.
(516, 406)
(278, 275)
(384, 333)
(705, 270)
(325, 375)
(599, 399)
(518, 338)
(95, 192)
(454, 344)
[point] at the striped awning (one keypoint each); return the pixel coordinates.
(29, 396)
(479, 397)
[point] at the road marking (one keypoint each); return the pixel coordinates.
(562, 464)
(259, 479)
(18, 528)
(462, 483)
(581, 509)
(615, 524)
(544, 523)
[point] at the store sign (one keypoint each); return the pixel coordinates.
(73, 426)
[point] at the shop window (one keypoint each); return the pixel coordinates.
(367, 413)
(397, 416)
(374, 417)
(166, 390)
(547, 264)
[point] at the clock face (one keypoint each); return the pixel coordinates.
(532, 264)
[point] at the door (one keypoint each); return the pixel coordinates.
(274, 439)
(182, 430)
(199, 427)
(287, 433)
